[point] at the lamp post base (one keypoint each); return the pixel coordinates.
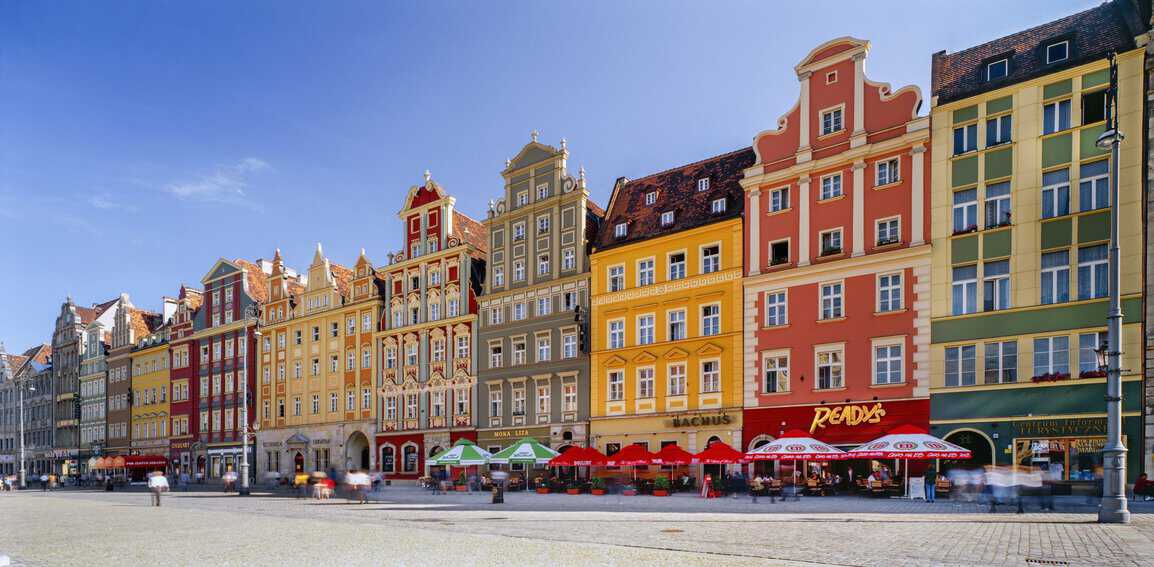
(1113, 511)
(243, 491)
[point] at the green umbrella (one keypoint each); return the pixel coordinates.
(463, 453)
(526, 452)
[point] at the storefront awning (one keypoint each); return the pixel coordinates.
(145, 461)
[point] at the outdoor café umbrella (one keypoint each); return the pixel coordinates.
(630, 456)
(909, 443)
(718, 453)
(463, 453)
(527, 451)
(672, 456)
(796, 445)
(578, 457)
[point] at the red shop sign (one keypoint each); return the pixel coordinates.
(839, 424)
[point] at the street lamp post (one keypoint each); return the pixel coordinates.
(21, 386)
(1113, 508)
(251, 315)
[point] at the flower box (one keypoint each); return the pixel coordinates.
(543, 490)
(1092, 374)
(597, 492)
(462, 488)
(572, 491)
(1051, 377)
(631, 492)
(657, 492)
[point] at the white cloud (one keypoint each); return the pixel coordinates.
(227, 184)
(105, 202)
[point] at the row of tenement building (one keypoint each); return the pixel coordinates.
(861, 266)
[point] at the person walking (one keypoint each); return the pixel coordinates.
(158, 484)
(43, 483)
(183, 480)
(931, 479)
(301, 483)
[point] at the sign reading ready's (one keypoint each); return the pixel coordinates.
(852, 415)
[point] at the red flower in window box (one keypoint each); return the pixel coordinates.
(1051, 377)
(1092, 374)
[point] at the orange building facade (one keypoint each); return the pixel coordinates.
(836, 329)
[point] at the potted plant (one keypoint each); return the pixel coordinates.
(542, 486)
(462, 482)
(661, 486)
(718, 487)
(629, 490)
(597, 486)
(573, 488)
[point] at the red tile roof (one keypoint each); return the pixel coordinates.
(254, 280)
(470, 231)
(40, 353)
(1092, 34)
(343, 277)
(677, 192)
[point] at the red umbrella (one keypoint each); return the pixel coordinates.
(631, 455)
(672, 455)
(719, 454)
(578, 457)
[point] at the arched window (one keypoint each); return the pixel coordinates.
(410, 458)
(388, 459)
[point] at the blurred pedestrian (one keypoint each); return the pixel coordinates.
(930, 478)
(158, 484)
(1143, 487)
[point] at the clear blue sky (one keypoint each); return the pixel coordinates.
(140, 141)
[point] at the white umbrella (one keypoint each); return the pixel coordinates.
(795, 445)
(909, 443)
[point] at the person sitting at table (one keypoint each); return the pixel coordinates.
(885, 473)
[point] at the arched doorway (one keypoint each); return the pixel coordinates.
(298, 462)
(357, 452)
(981, 449)
(714, 471)
(762, 468)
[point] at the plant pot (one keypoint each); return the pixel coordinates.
(629, 493)
(462, 488)
(572, 491)
(597, 491)
(542, 491)
(660, 492)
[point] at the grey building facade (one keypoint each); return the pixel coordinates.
(31, 372)
(93, 387)
(534, 371)
(68, 347)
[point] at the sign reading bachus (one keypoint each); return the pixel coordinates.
(852, 415)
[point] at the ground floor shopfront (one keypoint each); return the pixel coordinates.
(402, 456)
(556, 437)
(213, 460)
(692, 431)
(844, 426)
(1058, 428)
(326, 448)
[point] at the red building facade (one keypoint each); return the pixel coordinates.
(837, 259)
(183, 366)
(428, 333)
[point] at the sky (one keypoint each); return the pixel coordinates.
(140, 141)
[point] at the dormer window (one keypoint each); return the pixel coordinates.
(703, 184)
(717, 206)
(997, 69)
(667, 218)
(619, 231)
(651, 197)
(1056, 52)
(831, 121)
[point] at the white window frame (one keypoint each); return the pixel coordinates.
(703, 184)
(646, 271)
(781, 372)
(890, 295)
(779, 199)
(837, 365)
(646, 384)
(667, 218)
(651, 197)
(615, 278)
(1064, 57)
(615, 334)
(833, 234)
(615, 385)
(890, 173)
(833, 189)
(876, 358)
(831, 305)
(989, 67)
(836, 115)
(620, 230)
(710, 321)
(677, 383)
(717, 206)
(710, 385)
(776, 312)
(646, 329)
(895, 237)
(711, 261)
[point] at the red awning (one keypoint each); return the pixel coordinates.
(631, 455)
(672, 455)
(719, 454)
(578, 457)
(145, 462)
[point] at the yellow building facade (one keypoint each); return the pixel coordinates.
(666, 325)
(316, 398)
(151, 395)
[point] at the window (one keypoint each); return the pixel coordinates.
(651, 197)
(438, 350)
(889, 292)
(495, 356)
(518, 270)
(411, 404)
(334, 329)
(569, 301)
(1056, 277)
(888, 364)
(332, 401)
(390, 408)
(676, 325)
(645, 272)
(667, 218)
(779, 199)
(518, 351)
(831, 242)
(437, 402)
(518, 232)
(997, 69)
(1056, 116)
(1092, 269)
(831, 186)
(1094, 107)
(645, 329)
(435, 277)
(569, 397)
(543, 224)
(677, 266)
(1088, 343)
(1052, 356)
(703, 184)
(710, 259)
(316, 333)
(544, 305)
(297, 337)
(776, 373)
(829, 370)
(366, 357)
(568, 259)
(677, 379)
(996, 285)
(390, 357)
(1055, 193)
(965, 211)
(462, 346)
(1001, 362)
(960, 365)
(619, 230)
(776, 310)
(645, 382)
(710, 320)
(543, 399)
(998, 204)
(616, 278)
(1056, 52)
(569, 345)
(965, 289)
(887, 172)
(831, 301)
(543, 266)
(316, 404)
(711, 376)
(831, 121)
(434, 309)
(617, 334)
(998, 130)
(616, 388)
(965, 138)
(544, 349)
(296, 406)
(462, 399)
(542, 191)
(888, 231)
(717, 206)
(1093, 186)
(334, 363)
(411, 354)
(366, 322)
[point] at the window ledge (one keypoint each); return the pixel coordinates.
(775, 327)
(890, 185)
(831, 257)
(841, 389)
(833, 320)
(884, 386)
(779, 212)
(828, 135)
(831, 199)
(779, 267)
(889, 245)
(891, 312)
(785, 393)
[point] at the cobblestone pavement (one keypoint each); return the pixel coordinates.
(408, 527)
